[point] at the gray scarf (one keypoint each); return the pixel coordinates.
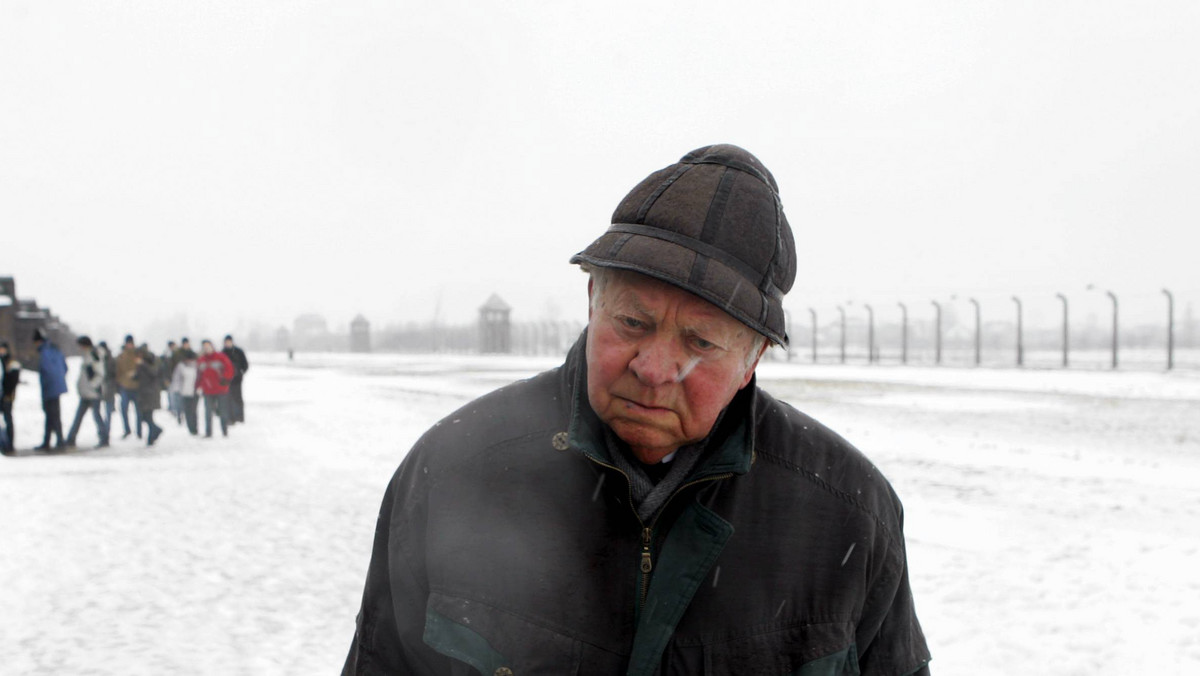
(649, 496)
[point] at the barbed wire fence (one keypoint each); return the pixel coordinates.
(1090, 329)
(1095, 330)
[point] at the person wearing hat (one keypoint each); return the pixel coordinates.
(214, 372)
(166, 364)
(183, 385)
(52, 372)
(10, 377)
(127, 385)
(174, 397)
(148, 391)
(108, 390)
(237, 356)
(646, 508)
(90, 388)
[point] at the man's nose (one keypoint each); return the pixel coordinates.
(658, 362)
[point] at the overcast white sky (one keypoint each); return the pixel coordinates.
(250, 161)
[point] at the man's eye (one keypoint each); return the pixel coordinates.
(702, 344)
(632, 323)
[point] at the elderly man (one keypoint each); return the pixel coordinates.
(645, 508)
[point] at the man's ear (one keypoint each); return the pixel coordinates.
(589, 299)
(750, 369)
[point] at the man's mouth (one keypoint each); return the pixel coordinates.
(634, 405)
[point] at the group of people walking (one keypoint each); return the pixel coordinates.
(134, 376)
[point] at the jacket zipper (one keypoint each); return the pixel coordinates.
(647, 560)
(646, 567)
(648, 532)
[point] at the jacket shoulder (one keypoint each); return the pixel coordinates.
(797, 445)
(495, 421)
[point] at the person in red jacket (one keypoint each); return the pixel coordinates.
(214, 373)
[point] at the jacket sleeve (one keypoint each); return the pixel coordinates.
(177, 378)
(890, 638)
(391, 622)
(227, 369)
(97, 372)
(12, 377)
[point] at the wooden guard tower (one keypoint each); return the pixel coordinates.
(495, 327)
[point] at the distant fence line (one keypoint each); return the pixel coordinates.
(527, 338)
(940, 333)
(1041, 349)
(1091, 330)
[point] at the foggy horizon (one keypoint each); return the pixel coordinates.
(246, 164)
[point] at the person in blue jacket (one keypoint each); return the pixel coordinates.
(52, 371)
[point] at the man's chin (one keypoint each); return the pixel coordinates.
(648, 443)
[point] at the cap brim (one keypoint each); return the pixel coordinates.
(679, 266)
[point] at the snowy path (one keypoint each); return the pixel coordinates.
(1052, 517)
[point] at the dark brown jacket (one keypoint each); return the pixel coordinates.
(507, 544)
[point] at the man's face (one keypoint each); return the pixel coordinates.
(206, 347)
(662, 363)
(228, 342)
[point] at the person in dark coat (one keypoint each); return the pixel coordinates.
(10, 377)
(166, 362)
(645, 509)
(237, 408)
(149, 392)
(108, 391)
(52, 371)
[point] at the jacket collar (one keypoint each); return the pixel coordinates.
(734, 434)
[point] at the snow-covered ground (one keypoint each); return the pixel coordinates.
(1053, 518)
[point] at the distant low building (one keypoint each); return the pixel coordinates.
(283, 339)
(360, 334)
(495, 326)
(20, 318)
(310, 332)
(8, 309)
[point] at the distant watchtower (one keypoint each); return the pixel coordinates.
(360, 334)
(495, 328)
(8, 310)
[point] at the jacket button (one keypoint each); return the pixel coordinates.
(504, 671)
(559, 441)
